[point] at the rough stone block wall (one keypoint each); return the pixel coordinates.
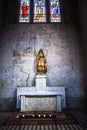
(19, 46)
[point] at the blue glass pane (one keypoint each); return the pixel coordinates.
(55, 11)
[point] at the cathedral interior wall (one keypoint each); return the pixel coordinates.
(61, 44)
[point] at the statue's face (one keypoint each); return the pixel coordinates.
(41, 54)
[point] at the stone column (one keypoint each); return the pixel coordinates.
(22, 103)
(58, 103)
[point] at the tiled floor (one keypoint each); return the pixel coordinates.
(43, 127)
(81, 117)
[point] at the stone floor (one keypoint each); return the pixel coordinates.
(81, 117)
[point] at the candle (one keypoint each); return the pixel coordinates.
(44, 115)
(23, 115)
(50, 115)
(39, 115)
(33, 115)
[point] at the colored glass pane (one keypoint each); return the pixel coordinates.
(39, 11)
(55, 11)
(24, 11)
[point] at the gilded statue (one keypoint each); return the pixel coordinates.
(41, 63)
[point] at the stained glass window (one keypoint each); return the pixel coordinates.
(24, 11)
(55, 11)
(39, 11)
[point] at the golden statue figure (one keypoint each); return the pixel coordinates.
(41, 63)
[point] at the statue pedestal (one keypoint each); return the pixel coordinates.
(40, 82)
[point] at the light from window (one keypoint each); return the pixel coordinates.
(55, 11)
(39, 11)
(24, 11)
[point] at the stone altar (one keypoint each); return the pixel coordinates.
(41, 97)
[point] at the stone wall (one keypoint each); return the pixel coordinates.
(83, 26)
(19, 46)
